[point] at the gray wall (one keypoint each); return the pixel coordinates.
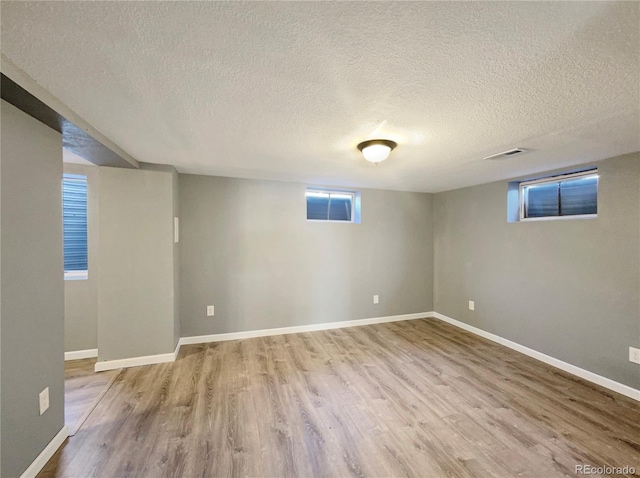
(567, 288)
(32, 289)
(136, 261)
(247, 248)
(81, 296)
(176, 259)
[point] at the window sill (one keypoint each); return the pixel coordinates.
(335, 222)
(558, 218)
(76, 275)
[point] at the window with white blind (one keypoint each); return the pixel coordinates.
(566, 196)
(332, 206)
(74, 215)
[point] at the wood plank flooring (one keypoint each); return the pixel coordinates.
(418, 398)
(83, 389)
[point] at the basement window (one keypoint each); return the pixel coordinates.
(74, 220)
(560, 197)
(333, 206)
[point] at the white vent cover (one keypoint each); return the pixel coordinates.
(507, 154)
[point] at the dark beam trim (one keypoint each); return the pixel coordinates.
(22, 99)
(74, 139)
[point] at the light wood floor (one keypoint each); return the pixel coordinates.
(83, 389)
(418, 398)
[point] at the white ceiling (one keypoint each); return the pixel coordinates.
(287, 90)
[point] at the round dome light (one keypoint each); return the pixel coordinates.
(376, 150)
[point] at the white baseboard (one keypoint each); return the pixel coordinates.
(202, 339)
(134, 361)
(80, 354)
(567, 367)
(250, 334)
(46, 454)
(137, 361)
(467, 327)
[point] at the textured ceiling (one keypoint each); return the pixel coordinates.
(287, 90)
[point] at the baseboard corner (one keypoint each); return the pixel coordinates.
(80, 354)
(45, 455)
(135, 361)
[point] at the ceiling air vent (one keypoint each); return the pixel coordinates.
(507, 154)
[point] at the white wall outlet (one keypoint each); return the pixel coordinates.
(634, 355)
(472, 305)
(210, 311)
(376, 299)
(44, 400)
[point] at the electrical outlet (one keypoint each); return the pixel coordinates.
(44, 400)
(376, 299)
(634, 355)
(472, 305)
(210, 311)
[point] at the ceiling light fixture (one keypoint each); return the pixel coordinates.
(376, 150)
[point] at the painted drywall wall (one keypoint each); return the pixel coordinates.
(566, 288)
(81, 296)
(32, 293)
(176, 257)
(176, 247)
(136, 285)
(247, 248)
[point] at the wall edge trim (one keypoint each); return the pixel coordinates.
(592, 377)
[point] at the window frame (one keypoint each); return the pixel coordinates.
(74, 275)
(352, 194)
(559, 178)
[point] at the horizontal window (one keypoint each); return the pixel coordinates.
(323, 205)
(569, 195)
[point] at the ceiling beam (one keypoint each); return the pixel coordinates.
(78, 136)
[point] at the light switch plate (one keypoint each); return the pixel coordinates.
(376, 299)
